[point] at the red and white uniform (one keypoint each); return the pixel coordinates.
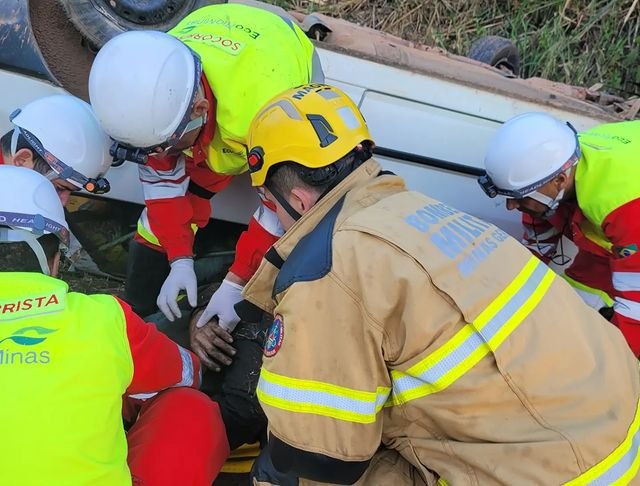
(611, 271)
(177, 190)
(168, 411)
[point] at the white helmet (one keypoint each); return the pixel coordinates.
(29, 208)
(525, 153)
(142, 86)
(64, 131)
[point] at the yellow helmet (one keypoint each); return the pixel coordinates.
(314, 125)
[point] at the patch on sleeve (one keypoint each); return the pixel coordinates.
(275, 336)
(625, 251)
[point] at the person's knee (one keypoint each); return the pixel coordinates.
(201, 419)
(178, 438)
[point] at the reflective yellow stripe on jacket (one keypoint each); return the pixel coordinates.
(474, 341)
(432, 374)
(308, 396)
(619, 467)
(144, 229)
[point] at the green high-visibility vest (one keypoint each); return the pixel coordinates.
(249, 55)
(608, 174)
(65, 363)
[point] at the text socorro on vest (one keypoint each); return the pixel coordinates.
(243, 51)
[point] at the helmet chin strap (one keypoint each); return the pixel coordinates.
(10, 235)
(283, 202)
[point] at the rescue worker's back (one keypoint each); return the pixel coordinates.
(490, 367)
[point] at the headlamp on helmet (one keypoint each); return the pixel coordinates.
(98, 185)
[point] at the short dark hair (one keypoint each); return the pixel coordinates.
(19, 257)
(39, 164)
(284, 177)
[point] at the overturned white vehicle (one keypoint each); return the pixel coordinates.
(430, 112)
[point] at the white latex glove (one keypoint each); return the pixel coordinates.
(222, 305)
(180, 277)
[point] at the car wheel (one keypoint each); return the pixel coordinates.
(496, 51)
(100, 20)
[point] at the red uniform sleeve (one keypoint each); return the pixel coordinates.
(622, 228)
(263, 231)
(158, 362)
(540, 236)
(205, 184)
(169, 211)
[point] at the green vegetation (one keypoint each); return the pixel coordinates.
(578, 42)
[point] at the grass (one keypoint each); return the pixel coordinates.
(578, 42)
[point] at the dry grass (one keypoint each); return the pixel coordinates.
(92, 284)
(579, 42)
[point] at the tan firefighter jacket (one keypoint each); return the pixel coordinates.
(400, 320)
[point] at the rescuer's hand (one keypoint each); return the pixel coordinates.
(222, 305)
(181, 277)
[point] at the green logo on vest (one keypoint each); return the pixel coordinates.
(22, 337)
(26, 336)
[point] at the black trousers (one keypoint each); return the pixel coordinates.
(235, 389)
(147, 270)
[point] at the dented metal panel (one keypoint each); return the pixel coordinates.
(20, 50)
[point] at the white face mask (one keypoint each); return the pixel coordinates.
(551, 203)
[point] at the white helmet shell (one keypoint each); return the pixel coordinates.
(140, 85)
(527, 149)
(67, 127)
(29, 202)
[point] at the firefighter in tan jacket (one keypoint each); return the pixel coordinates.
(413, 343)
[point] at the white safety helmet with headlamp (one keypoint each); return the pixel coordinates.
(526, 153)
(142, 86)
(64, 131)
(30, 208)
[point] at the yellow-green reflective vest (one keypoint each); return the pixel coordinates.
(608, 174)
(249, 55)
(65, 363)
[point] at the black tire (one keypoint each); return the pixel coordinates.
(98, 21)
(496, 51)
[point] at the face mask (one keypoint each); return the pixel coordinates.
(551, 203)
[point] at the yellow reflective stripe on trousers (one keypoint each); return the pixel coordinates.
(474, 341)
(619, 467)
(316, 397)
(144, 229)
